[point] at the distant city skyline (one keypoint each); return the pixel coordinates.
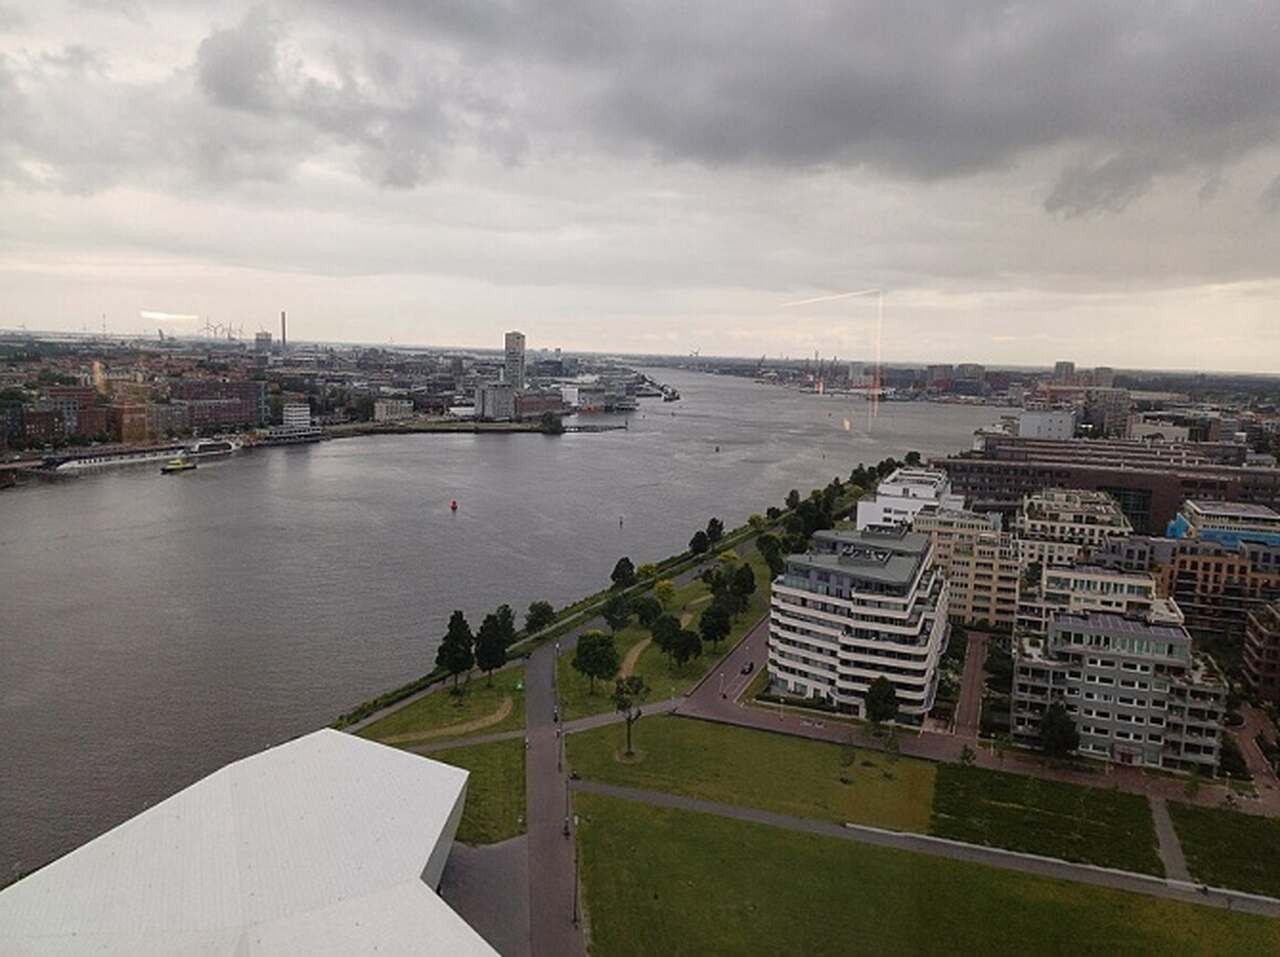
(1100, 183)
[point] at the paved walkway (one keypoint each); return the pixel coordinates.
(1255, 722)
(1175, 865)
(488, 887)
(969, 707)
(954, 850)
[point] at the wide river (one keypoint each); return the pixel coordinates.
(153, 628)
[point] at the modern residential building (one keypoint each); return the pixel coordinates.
(901, 496)
(983, 574)
(514, 367)
(858, 606)
(1150, 481)
(1136, 692)
(495, 402)
(391, 410)
(1048, 423)
(297, 415)
(1079, 589)
(328, 844)
(1054, 525)
(1227, 523)
(949, 527)
(1261, 662)
(1064, 373)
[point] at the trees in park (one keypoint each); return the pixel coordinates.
(715, 530)
(882, 701)
(596, 657)
(1058, 734)
(628, 695)
(793, 499)
(913, 459)
(647, 609)
(617, 612)
(664, 629)
(490, 645)
(756, 521)
(455, 653)
(506, 624)
(715, 623)
(770, 549)
(665, 591)
(743, 583)
(551, 424)
(647, 571)
(699, 543)
(540, 615)
(624, 573)
(967, 756)
(686, 646)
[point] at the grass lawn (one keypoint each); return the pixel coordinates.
(760, 769)
(576, 699)
(660, 881)
(494, 809)
(1229, 849)
(441, 711)
(1068, 821)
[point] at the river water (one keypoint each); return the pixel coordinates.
(153, 628)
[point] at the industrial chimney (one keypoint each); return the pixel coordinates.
(284, 340)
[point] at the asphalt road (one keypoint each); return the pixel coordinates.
(969, 707)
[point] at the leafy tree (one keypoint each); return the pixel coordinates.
(617, 612)
(699, 543)
(665, 629)
(540, 615)
(596, 657)
(743, 583)
(506, 624)
(715, 530)
(729, 558)
(454, 654)
(550, 423)
(665, 591)
(793, 499)
(715, 623)
(773, 512)
(882, 701)
(770, 548)
(491, 648)
(1058, 734)
(628, 694)
(647, 571)
(624, 573)
(686, 647)
(755, 521)
(913, 459)
(647, 609)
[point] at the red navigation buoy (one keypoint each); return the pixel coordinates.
(453, 506)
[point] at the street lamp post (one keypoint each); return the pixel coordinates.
(566, 808)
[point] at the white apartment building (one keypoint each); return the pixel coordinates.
(1134, 689)
(1055, 525)
(901, 496)
(1081, 589)
(389, 410)
(858, 606)
(949, 527)
(296, 415)
(495, 402)
(1048, 423)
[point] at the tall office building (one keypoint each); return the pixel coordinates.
(514, 368)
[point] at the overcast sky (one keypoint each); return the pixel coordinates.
(1026, 181)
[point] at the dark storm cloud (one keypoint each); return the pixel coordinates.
(924, 90)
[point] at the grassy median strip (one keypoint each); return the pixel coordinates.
(1066, 821)
(660, 881)
(479, 709)
(772, 772)
(495, 805)
(1229, 849)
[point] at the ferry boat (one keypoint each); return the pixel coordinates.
(213, 448)
(108, 459)
(177, 465)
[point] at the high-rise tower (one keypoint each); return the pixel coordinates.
(514, 367)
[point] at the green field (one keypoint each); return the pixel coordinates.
(1067, 821)
(443, 715)
(1229, 849)
(495, 804)
(664, 680)
(759, 769)
(660, 881)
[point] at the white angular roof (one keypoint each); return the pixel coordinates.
(317, 846)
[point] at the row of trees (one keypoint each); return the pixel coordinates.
(486, 649)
